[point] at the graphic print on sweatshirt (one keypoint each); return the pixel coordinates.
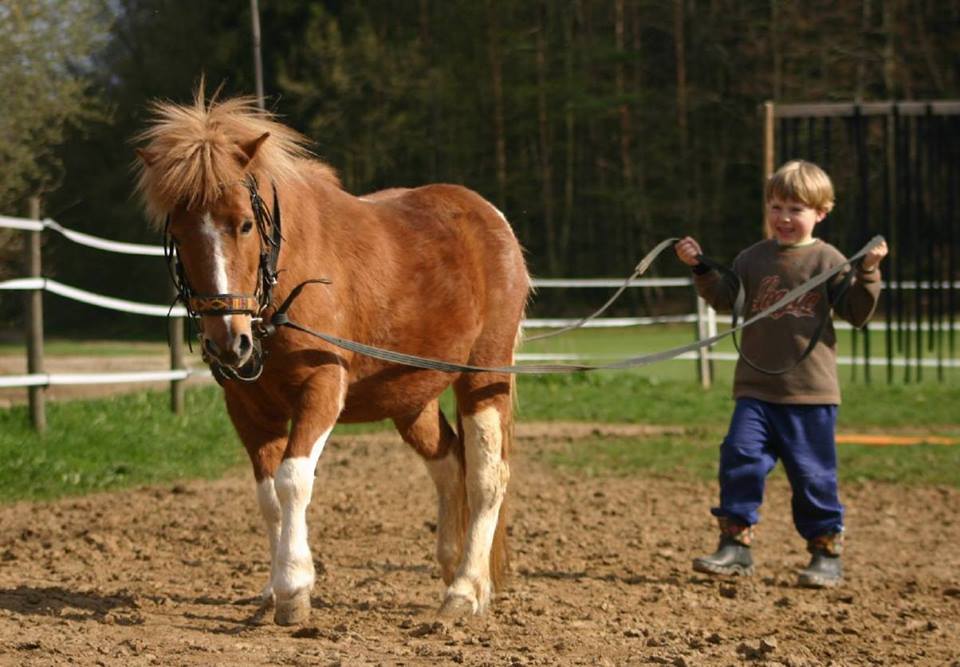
(769, 292)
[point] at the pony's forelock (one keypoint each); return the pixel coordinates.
(191, 153)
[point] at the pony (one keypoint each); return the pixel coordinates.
(433, 271)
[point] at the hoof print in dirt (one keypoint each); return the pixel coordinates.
(307, 633)
(428, 629)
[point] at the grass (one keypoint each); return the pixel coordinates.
(919, 409)
(120, 441)
(629, 397)
(619, 343)
(126, 440)
(89, 348)
(133, 439)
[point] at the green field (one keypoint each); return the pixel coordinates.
(133, 439)
(89, 348)
(618, 343)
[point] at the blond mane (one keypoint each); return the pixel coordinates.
(192, 152)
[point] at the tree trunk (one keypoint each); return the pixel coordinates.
(861, 84)
(889, 43)
(426, 44)
(570, 137)
(628, 213)
(496, 76)
(687, 172)
(777, 51)
(546, 163)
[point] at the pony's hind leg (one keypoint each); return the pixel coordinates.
(429, 433)
(486, 429)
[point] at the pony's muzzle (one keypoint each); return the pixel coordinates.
(235, 353)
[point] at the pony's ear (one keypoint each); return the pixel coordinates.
(146, 157)
(249, 148)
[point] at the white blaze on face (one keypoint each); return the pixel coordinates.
(211, 234)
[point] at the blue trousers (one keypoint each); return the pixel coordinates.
(802, 436)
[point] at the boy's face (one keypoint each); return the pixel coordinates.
(791, 222)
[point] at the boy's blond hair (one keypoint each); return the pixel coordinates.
(802, 181)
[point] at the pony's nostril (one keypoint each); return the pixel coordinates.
(211, 347)
(243, 345)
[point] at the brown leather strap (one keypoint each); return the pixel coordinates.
(224, 304)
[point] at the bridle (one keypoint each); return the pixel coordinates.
(197, 305)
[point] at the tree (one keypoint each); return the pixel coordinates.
(45, 75)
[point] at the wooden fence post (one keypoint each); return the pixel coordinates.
(769, 155)
(177, 387)
(34, 316)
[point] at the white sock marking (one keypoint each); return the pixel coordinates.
(487, 476)
(270, 510)
(294, 565)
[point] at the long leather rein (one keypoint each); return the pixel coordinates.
(280, 319)
(270, 234)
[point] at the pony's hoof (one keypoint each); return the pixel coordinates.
(294, 610)
(457, 605)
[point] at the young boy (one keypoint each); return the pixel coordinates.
(789, 416)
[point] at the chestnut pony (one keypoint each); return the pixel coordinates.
(433, 271)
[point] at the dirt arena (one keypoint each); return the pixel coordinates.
(601, 574)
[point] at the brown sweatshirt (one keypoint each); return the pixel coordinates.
(769, 271)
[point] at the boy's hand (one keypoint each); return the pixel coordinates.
(688, 249)
(872, 259)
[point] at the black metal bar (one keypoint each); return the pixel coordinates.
(889, 224)
(907, 220)
(920, 215)
(849, 125)
(863, 173)
(934, 240)
(953, 183)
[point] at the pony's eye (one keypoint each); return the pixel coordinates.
(246, 227)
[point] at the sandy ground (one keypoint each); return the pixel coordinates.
(601, 574)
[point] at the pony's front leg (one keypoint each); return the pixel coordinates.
(293, 571)
(264, 436)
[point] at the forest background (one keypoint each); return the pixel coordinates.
(598, 126)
